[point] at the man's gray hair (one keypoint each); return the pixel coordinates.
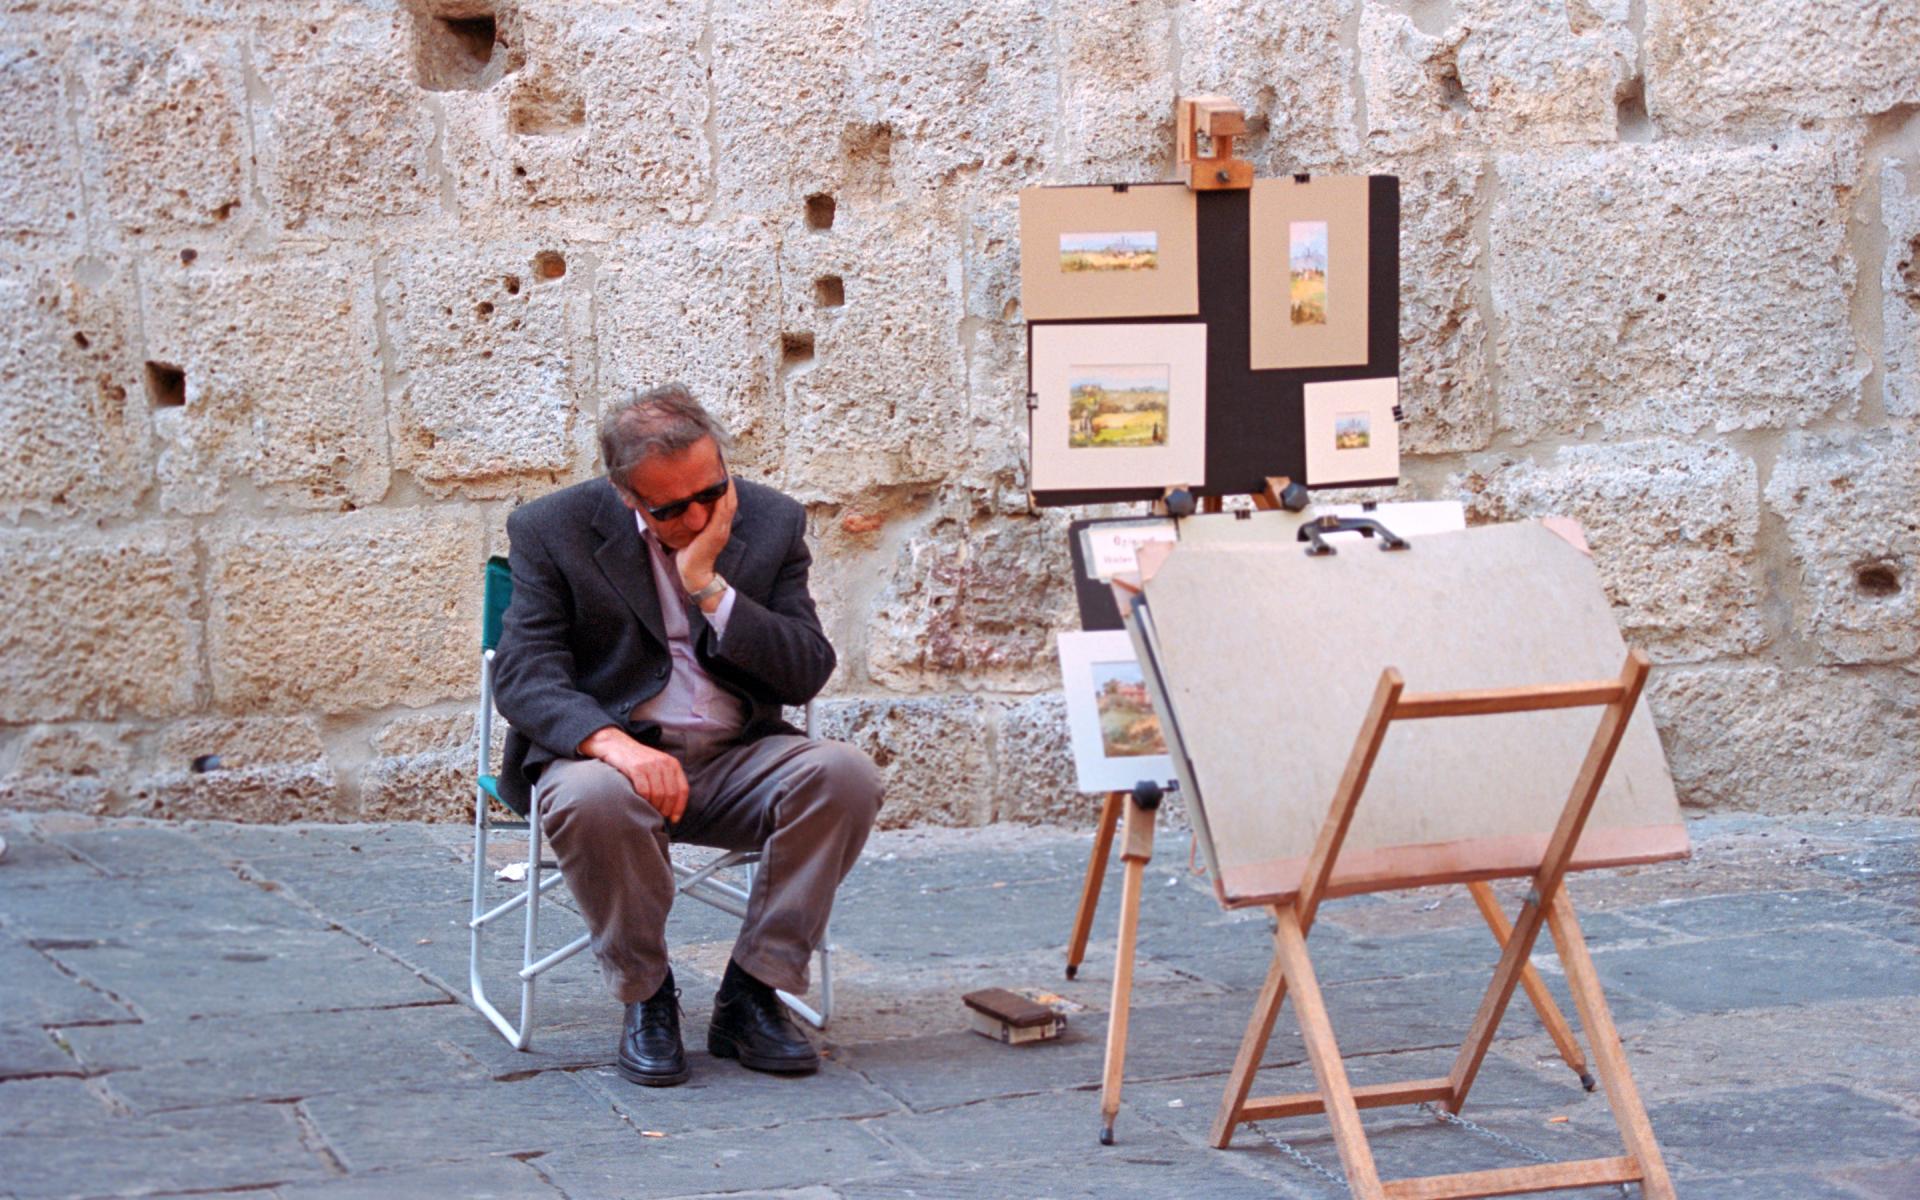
(660, 421)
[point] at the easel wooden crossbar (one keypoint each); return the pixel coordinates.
(1546, 905)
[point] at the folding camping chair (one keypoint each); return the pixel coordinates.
(707, 882)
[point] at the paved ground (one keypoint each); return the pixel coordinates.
(272, 1012)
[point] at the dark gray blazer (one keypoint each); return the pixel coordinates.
(584, 641)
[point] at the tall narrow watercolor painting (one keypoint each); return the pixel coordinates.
(1118, 405)
(1307, 271)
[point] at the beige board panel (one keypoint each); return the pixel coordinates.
(1168, 361)
(1270, 658)
(1052, 218)
(1279, 341)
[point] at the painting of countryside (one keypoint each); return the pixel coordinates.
(1307, 260)
(1117, 405)
(1352, 431)
(1135, 251)
(1128, 726)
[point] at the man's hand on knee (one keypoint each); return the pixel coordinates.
(654, 774)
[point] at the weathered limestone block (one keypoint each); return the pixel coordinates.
(99, 625)
(73, 421)
(1033, 780)
(1900, 283)
(66, 768)
(959, 93)
(344, 132)
(1758, 738)
(1672, 525)
(783, 117)
(974, 599)
(424, 771)
(608, 116)
(1287, 64)
(493, 354)
(344, 613)
(263, 770)
(276, 378)
(993, 339)
(875, 388)
(162, 129)
(702, 306)
(40, 188)
(1663, 289)
(1715, 64)
(1852, 507)
(1116, 84)
(1444, 384)
(933, 753)
(1501, 73)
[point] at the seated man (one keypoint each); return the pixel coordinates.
(660, 620)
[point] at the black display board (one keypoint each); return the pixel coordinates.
(1256, 419)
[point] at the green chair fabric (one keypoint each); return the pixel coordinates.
(499, 595)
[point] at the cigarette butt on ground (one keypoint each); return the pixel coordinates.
(1556, 1120)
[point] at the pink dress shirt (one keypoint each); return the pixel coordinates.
(692, 702)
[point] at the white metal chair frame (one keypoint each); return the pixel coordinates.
(704, 883)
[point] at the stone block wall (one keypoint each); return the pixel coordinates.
(297, 301)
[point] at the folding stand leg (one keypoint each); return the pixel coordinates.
(1557, 1027)
(1096, 875)
(1135, 852)
(1636, 1132)
(1252, 1046)
(1290, 948)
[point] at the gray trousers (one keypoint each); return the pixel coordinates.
(806, 805)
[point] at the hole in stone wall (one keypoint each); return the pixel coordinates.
(225, 210)
(483, 310)
(81, 340)
(1909, 269)
(549, 264)
(1630, 109)
(1876, 580)
(795, 349)
(166, 385)
(1452, 94)
(829, 291)
(819, 211)
(188, 255)
(459, 54)
(512, 284)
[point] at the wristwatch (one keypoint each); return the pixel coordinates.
(714, 588)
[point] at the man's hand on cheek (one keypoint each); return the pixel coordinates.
(696, 561)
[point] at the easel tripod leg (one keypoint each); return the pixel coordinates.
(1636, 1132)
(1096, 875)
(1135, 853)
(1550, 1016)
(1252, 1046)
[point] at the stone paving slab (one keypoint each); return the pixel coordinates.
(160, 1065)
(1775, 969)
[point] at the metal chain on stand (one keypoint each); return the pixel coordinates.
(1493, 1135)
(1339, 1181)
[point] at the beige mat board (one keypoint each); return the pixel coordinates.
(1137, 251)
(1284, 213)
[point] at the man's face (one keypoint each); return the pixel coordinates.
(667, 480)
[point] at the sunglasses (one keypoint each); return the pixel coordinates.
(667, 512)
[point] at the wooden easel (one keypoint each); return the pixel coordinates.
(1546, 903)
(1134, 814)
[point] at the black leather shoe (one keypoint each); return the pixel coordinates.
(753, 1026)
(650, 1051)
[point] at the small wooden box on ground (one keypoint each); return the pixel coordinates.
(1010, 1017)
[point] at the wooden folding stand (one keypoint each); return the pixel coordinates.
(1292, 968)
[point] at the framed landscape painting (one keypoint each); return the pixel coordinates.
(1115, 733)
(1309, 286)
(1118, 406)
(1090, 252)
(1352, 437)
